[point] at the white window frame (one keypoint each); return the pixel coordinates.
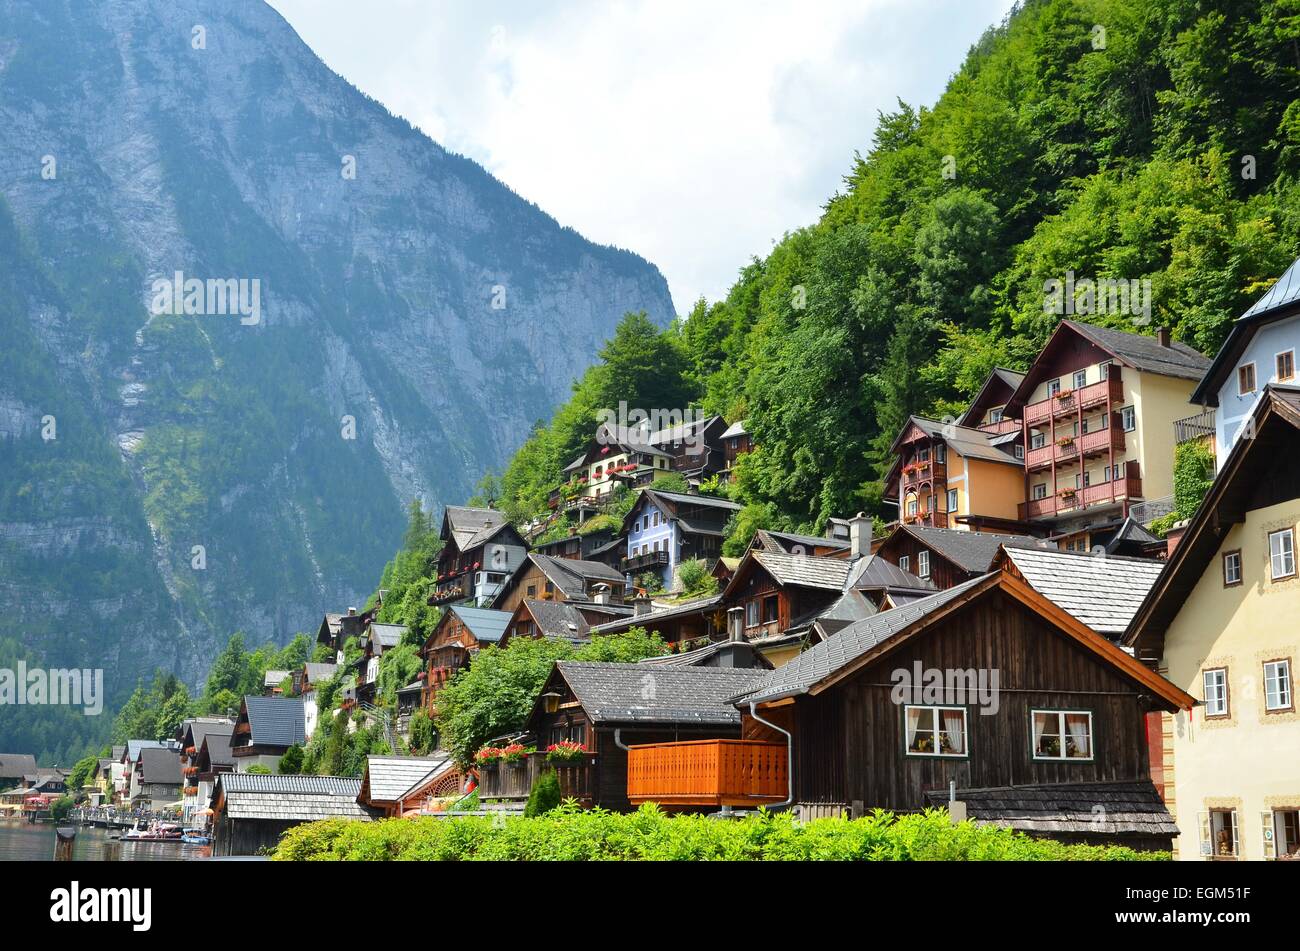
(752, 609)
(905, 562)
(1232, 568)
(1278, 674)
(1283, 555)
(1104, 369)
(1038, 491)
(1020, 452)
(941, 454)
(936, 722)
(1208, 849)
(1214, 689)
(995, 414)
(1061, 732)
(923, 564)
(1080, 379)
(952, 500)
(1037, 440)
(1128, 418)
(1053, 387)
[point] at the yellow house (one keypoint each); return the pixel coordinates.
(1223, 623)
(1098, 408)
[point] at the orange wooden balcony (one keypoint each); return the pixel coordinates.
(1075, 401)
(708, 773)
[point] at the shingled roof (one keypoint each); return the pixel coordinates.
(1102, 591)
(806, 571)
(390, 778)
(874, 573)
(1106, 808)
(16, 765)
(293, 798)
(684, 609)
(470, 527)
(276, 721)
(160, 766)
(965, 441)
(631, 693)
(559, 619)
(969, 551)
(571, 574)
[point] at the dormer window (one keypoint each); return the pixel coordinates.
(1245, 379)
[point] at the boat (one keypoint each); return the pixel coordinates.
(160, 832)
(196, 837)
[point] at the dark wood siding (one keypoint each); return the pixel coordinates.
(943, 573)
(850, 739)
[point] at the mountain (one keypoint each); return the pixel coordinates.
(376, 319)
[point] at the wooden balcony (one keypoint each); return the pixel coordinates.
(514, 781)
(927, 473)
(651, 559)
(1076, 401)
(708, 773)
(1200, 426)
(927, 519)
(1098, 441)
(1001, 427)
(1104, 493)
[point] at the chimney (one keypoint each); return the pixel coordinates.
(859, 536)
(641, 605)
(1162, 337)
(600, 594)
(1174, 536)
(352, 612)
(735, 624)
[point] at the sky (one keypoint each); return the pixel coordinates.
(693, 132)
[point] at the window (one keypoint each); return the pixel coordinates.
(1080, 379)
(751, 614)
(1020, 452)
(550, 587)
(1277, 686)
(935, 731)
(1215, 681)
(1219, 834)
(923, 454)
(656, 519)
(1284, 824)
(1231, 568)
(952, 500)
(771, 606)
(1061, 734)
(532, 590)
(1128, 417)
(1105, 370)
(911, 506)
(905, 562)
(1245, 379)
(941, 453)
(995, 415)
(923, 564)
(1040, 490)
(1053, 387)
(1281, 551)
(1286, 365)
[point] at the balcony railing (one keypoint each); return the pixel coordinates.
(927, 519)
(509, 781)
(651, 559)
(1075, 401)
(932, 472)
(708, 773)
(1100, 440)
(1001, 427)
(1128, 487)
(1194, 427)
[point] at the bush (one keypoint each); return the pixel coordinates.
(291, 762)
(696, 581)
(544, 796)
(60, 808)
(568, 833)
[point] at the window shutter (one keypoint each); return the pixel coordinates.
(1236, 834)
(1270, 846)
(1207, 840)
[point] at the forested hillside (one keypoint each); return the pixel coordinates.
(1136, 139)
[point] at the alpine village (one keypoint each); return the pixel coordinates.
(1080, 627)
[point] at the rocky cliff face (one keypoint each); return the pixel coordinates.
(363, 318)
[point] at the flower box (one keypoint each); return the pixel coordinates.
(566, 753)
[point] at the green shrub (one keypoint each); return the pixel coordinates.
(291, 762)
(568, 833)
(258, 769)
(544, 796)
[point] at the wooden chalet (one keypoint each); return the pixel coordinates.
(542, 578)
(893, 709)
(685, 623)
(265, 729)
(250, 811)
(736, 442)
(561, 620)
(460, 633)
(336, 629)
(605, 707)
(190, 734)
(377, 639)
(612, 460)
(313, 674)
(396, 786)
(947, 557)
(480, 550)
(664, 529)
(793, 543)
(579, 545)
(158, 783)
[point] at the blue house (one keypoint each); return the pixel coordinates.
(665, 529)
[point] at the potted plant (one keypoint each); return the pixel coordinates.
(515, 753)
(1065, 442)
(488, 757)
(1064, 395)
(565, 753)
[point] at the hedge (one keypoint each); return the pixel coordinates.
(572, 834)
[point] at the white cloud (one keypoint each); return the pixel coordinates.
(694, 133)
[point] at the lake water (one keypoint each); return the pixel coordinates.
(22, 842)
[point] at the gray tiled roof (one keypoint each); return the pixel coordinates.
(570, 574)
(684, 609)
(623, 693)
(317, 672)
(851, 606)
(707, 501)
(970, 551)
(735, 429)
(472, 526)
(808, 571)
(160, 766)
(874, 572)
(559, 619)
(201, 729)
(274, 678)
(1102, 591)
(770, 540)
(387, 635)
(485, 624)
(1145, 353)
(971, 443)
(16, 765)
(1106, 808)
(133, 748)
(391, 777)
(291, 798)
(824, 659)
(218, 750)
(276, 721)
